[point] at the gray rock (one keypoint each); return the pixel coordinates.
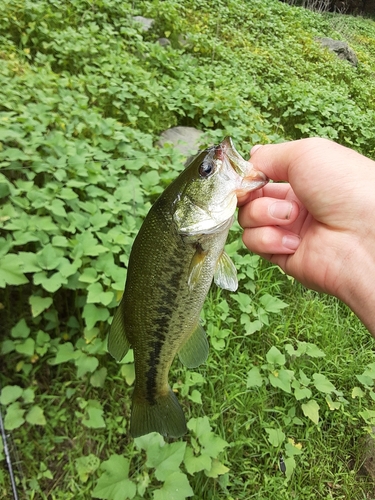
(341, 49)
(164, 42)
(146, 22)
(186, 139)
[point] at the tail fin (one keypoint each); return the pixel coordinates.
(164, 416)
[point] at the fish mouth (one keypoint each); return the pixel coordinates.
(251, 178)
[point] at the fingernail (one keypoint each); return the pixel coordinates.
(255, 148)
(291, 242)
(281, 210)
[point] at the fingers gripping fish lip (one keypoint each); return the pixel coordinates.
(208, 203)
(252, 178)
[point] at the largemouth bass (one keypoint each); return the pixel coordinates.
(177, 253)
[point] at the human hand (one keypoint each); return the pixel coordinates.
(319, 226)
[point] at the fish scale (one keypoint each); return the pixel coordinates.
(176, 254)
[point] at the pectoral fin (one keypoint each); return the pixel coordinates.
(226, 273)
(196, 266)
(118, 344)
(195, 351)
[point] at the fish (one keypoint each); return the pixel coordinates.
(177, 253)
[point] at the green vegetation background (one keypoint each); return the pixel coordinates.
(84, 95)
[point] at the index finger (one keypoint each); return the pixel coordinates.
(270, 190)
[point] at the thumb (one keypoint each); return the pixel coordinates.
(278, 160)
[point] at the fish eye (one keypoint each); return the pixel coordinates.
(206, 168)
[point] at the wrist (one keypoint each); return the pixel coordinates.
(358, 289)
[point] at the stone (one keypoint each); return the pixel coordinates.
(146, 22)
(341, 49)
(164, 42)
(187, 140)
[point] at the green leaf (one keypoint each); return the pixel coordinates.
(50, 283)
(39, 304)
(128, 372)
(93, 417)
(254, 378)
(65, 352)
(165, 459)
(89, 245)
(92, 314)
(151, 440)
(67, 268)
(195, 396)
(272, 304)
(199, 426)
(213, 445)
(28, 395)
(365, 380)
(301, 393)
(217, 469)
(20, 330)
(290, 465)
(244, 301)
(282, 379)
(114, 483)
(14, 417)
(57, 208)
(332, 405)
(85, 364)
(357, 393)
(370, 370)
(275, 436)
(292, 449)
(27, 347)
(311, 410)
(11, 271)
(49, 258)
(314, 351)
(86, 466)
(197, 463)
(7, 346)
(97, 295)
(250, 326)
(303, 378)
(322, 384)
(28, 262)
(275, 357)
(60, 241)
(97, 379)
(10, 393)
(36, 416)
(176, 487)
(89, 275)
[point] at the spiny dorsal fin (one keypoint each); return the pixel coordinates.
(195, 350)
(226, 273)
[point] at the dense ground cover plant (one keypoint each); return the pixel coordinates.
(84, 94)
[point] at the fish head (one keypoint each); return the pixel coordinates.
(212, 182)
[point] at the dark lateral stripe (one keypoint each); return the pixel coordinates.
(168, 296)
